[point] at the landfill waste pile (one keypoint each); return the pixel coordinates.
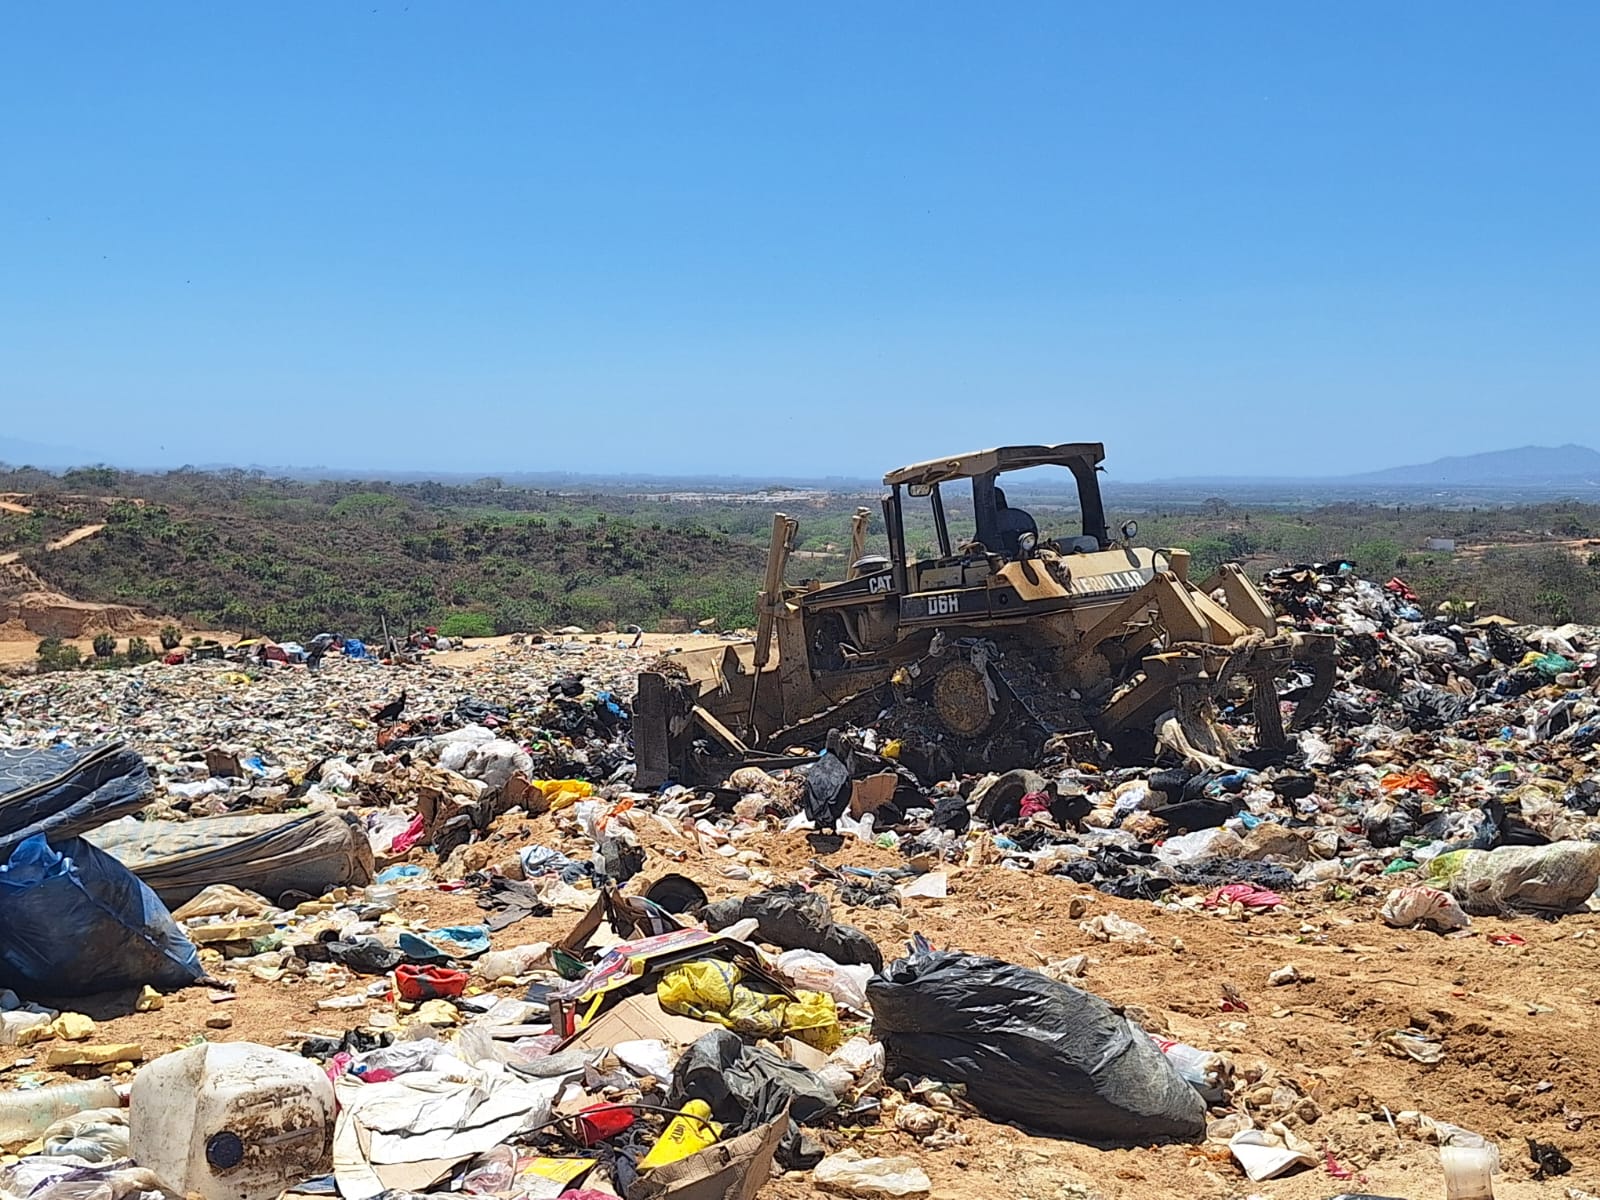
(407, 929)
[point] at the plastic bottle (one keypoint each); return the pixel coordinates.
(1468, 1172)
(686, 1134)
(25, 1115)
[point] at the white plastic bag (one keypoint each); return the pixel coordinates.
(518, 960)
(850, 1173)
(1268, 1153)
(814, 972)
(96, 1136)
(1202, 843)
(1418, 905)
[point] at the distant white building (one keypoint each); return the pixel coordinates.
(1443, 545)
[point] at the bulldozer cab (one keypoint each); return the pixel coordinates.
(997, 530)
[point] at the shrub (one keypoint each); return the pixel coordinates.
(105, 645)
(56, 655)
(171, 638)
(466, 624)
(139, 651)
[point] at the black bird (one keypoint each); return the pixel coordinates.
(392, 710)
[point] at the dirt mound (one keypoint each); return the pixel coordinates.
(29, 608)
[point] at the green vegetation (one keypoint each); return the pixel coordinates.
(289, 560)
(105, 645)
(241, 551)
(466, 625)
(56, 655)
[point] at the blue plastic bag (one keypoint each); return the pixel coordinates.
(74, 921)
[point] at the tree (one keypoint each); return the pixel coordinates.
(105, 645)
(139, 651)
(1553, 606)
(171, 638)
(1376, 556)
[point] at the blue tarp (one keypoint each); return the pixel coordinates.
(74, 921)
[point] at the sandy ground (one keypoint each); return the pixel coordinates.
(1515, 1023)
(1582, 547)
(61, 543)
(76, 536)
(24, 648)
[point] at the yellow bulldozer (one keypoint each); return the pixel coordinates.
(1007, 636)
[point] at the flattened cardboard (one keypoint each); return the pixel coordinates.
(638, 1018)
(733, 1170)
(872, 793)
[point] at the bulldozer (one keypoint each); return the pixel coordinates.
(1008, 636)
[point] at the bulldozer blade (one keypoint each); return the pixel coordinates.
(1318, 652)
(1191, 732)
(1268, 713)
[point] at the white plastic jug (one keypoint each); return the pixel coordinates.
(234, 1121)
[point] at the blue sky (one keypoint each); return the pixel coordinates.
(799, 239)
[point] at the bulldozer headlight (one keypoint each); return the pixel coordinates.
(1028, 542)
(1130, 529)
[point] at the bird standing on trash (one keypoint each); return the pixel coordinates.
(392, 710)
(828, 784)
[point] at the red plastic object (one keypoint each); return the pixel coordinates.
(409, 836)
(1243, 893)
(416, 983)
(600, 1121)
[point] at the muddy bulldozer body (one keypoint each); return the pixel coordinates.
(1005, 639)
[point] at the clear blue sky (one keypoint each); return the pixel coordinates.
(801, 239)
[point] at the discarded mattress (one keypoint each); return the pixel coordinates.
(63, 792)
(269, 854)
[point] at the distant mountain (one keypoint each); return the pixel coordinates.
(1529, 466)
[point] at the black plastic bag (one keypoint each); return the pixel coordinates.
(1030, 1050)
(950, 812)
(75, 922)
(747, 1086)
(1430, 708)
(791, 917)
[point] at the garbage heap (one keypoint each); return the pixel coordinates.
(413, 933)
